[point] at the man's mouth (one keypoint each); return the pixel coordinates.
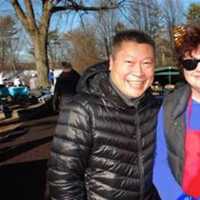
(135, 82)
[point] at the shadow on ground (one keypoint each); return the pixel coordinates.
(10, 152)
(24, 181)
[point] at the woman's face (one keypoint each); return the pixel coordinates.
(193, 76)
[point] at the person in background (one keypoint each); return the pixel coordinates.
(33, 82)
(4, 108)
(65, 85)
(177, 162)
(104, 143)
(18, 82)
(1, 79)
(51, 77)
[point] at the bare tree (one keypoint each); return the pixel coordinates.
(83, 50)
(57, 48)
(37, 27)
(53, 47)
(8, 41)
(145, 16)
(173, 15)
(106, 24)
(193, 14)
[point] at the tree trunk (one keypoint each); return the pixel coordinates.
(41, 59)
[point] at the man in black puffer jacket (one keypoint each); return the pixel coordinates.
(103, 148)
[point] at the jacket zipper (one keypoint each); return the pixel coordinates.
(140, 155)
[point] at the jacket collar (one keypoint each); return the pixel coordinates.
(118, 100)
(132, 102)
(183, 95)
(95, 81)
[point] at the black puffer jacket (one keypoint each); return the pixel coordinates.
(103, 149)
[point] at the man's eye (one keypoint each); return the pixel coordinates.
(128, 61)
(147, 63)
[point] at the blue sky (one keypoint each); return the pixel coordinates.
(188, 2)
(6, 8)
(63, 25)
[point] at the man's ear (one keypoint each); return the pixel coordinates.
(110, 62)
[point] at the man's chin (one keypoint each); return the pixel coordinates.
(135, 94)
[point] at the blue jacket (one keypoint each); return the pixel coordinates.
(163, 179)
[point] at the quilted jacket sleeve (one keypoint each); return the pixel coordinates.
(69, 154)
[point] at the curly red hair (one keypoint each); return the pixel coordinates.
(189, 41)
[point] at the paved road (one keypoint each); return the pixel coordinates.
(23, 158)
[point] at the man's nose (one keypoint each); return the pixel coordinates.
(138, 70)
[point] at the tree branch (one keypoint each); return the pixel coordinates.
(77, 7)
(30, 12)
(46, 15)
(22, 16)
(20, 13)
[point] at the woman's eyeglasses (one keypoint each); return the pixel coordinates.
(190, 64)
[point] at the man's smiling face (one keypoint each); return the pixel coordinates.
(132, 68)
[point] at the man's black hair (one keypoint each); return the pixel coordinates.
(134, 36)
(66, 65)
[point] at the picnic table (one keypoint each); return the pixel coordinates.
(14, 91)
(18, 91)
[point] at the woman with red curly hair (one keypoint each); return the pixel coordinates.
(177, 161)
